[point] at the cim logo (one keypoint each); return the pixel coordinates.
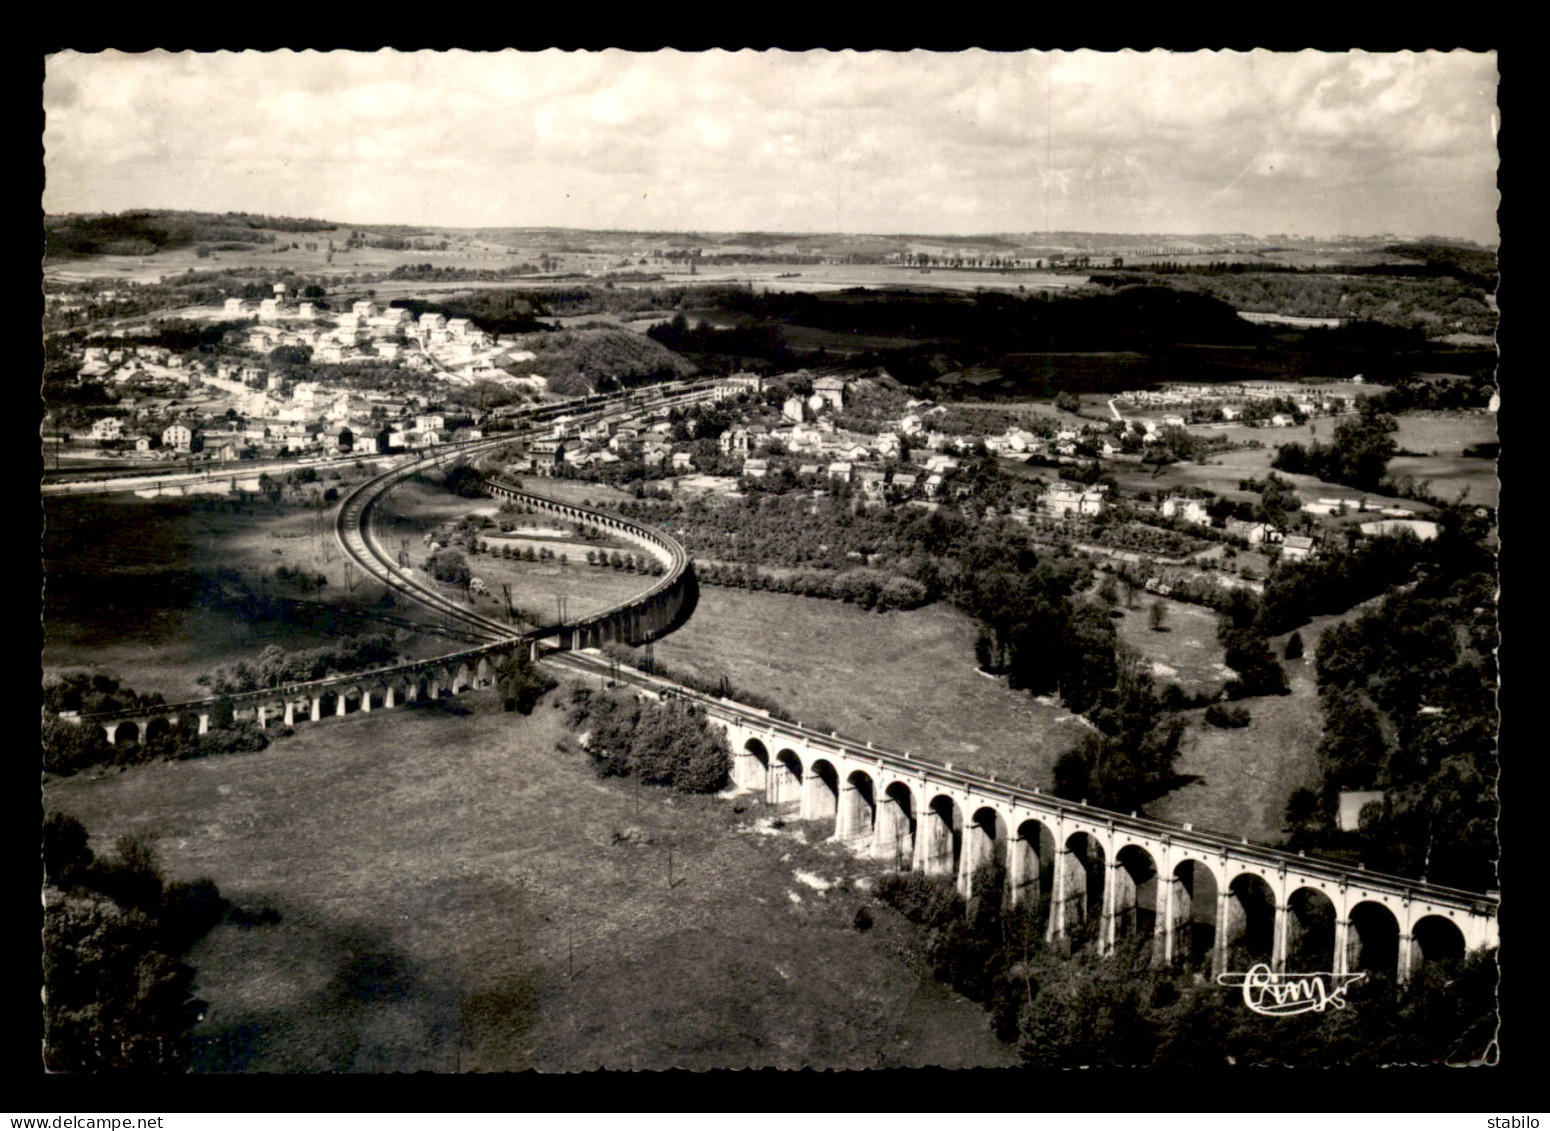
(1283, 995)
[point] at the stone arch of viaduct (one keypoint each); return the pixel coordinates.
(1097, 878)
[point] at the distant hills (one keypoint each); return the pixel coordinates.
(145, 232)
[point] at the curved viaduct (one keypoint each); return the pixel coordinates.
(1093, 877)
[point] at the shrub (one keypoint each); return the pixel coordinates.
(923, 899)
(1219, 715)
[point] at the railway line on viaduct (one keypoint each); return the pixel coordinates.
(1097, 876)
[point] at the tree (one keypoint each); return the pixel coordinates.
(449, 565)
(1129, 759)
(1157, 616)
(1294, 646)
(522, 684)
(1352, 751)
(1248, 654)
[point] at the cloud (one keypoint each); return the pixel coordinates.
(877, 141)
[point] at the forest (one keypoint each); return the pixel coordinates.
(145, 233)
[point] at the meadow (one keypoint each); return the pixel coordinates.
(903, 679)
(450, 888)
(120, 590)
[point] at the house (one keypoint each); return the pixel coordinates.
(682, 461)
(832, 390)
(840, 469)
(180, 437)
(905, 483)
(1298, 548)
(1254, 533)
(108, 428)
(808, 469)
(747, 382)
(933, 484)
(756, 468)
(233, 307)
(546, 454)
(1068, 498)
(872, 481)
(793, 408)
(269, 310)
(141, 443)
(1186, 510)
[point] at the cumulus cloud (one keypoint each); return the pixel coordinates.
(865, 141)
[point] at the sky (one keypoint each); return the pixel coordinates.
(1306, 143)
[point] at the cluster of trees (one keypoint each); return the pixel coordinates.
(276, 667)
(1358, 456)
(449, 565)
(1347, 576)
(668, 744)
(521, 684)
(89, 693)
(68, 747)
(632, 563)
(1247, 652)
(1409, 695)
(996, 323)
(1127, 760)
(1437, 303)
(145, 233)
(118, 996)
(720, 351)
(427, 273)
(579, 362)
(1227, 718)
(868, 588)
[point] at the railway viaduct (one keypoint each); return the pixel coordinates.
(1102, 876)
(1092, 877)
(643, 618)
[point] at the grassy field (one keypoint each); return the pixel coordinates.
(903, 679)
(1185, 652)
(415, 509)
(1244, 777)
(118, 595)
(452, 895)
(1441, 440)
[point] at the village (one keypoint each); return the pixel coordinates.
(856, 433)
